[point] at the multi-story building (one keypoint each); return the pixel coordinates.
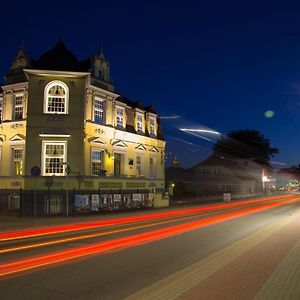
(61, 116)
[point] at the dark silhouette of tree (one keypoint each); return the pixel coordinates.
(248, 144)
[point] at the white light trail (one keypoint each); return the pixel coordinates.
(189, 130)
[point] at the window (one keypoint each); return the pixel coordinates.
(56, 98)
(19, 107)
(118, 162)
(152, 167)
(139, 165)
(1, 109)
(98, 110)
(17, 161)
(120, 116)
(96, 162)
(54, 155)
(152, 126)
(139, 122)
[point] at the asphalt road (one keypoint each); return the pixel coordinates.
(115, 259)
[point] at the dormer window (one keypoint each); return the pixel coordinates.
(152, 125)
(56, 98)
(120, 116)
(139, 122)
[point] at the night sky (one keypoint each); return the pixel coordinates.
(217, 64)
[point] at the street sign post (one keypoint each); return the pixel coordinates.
(35, 172)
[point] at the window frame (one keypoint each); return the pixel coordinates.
(18, 105)
(152, 127)
(100, 110)
(13, 160)
(44, 156)
(101, 160)
(120, 116)
(141, 122)
(46, 97)
(142, 172)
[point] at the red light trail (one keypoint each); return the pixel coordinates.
(33, 232)
(51, 258)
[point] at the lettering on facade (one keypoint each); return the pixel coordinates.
(135, 184)
(99, 131)
(17, 125)
(110, 185)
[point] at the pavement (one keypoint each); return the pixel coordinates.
(264, 265)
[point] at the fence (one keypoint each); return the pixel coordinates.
(61, 202)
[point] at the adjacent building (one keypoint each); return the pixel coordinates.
(61, 117)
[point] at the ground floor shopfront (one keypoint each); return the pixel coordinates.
(73, 195)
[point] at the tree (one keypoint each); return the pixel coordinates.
(248, 144)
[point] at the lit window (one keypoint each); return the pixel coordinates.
(19, 107)
(152, 167)
(96, 162)
(120, 116)
(56, 98)
(152, 126)
(139, 122)
(139, 166)
(98, 110)
(118, 163)
(1, 109)
(54, 157)
(17, 163)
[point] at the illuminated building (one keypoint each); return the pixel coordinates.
(63, 116)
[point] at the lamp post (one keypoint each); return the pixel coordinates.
(67, 170)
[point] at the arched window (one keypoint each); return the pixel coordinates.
(56, 98)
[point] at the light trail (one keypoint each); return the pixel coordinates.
(88, 236)
(34, 232)
(199, 130)
(39, 261)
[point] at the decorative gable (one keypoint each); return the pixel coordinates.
(97, 140)
(18, 138)
(119, 144)
(153, 149)
(140, 147)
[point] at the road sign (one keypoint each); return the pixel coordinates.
(35, 171)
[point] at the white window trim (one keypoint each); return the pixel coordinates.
(97, 98)
(18, 105)
(154, 158)
(102, 158)
(154, 125)
(123, 117)
(12, 159)
(46, 91)
(142, 164)
(44, 143)
(142, 122)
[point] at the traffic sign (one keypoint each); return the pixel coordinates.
(35, 171)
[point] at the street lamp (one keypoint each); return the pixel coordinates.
(67, 170)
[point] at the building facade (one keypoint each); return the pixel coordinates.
(61, 116)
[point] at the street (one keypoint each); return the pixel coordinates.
(226, 250)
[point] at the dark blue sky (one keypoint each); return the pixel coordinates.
(220, 64)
